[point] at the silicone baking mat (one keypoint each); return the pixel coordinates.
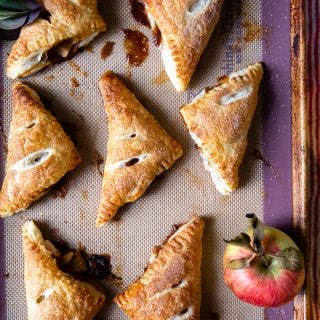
(248, 31)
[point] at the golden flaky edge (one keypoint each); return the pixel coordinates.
(170, 288)
(139, 149)
(33, 130)
(70, 23)
(218, 121)
(186, 27)
(51, 293)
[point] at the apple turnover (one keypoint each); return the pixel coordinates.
(51, 293)
(72, 24)
(185, 27)
(138, 148)
(218, 120)
(170, 288)
(39, 152)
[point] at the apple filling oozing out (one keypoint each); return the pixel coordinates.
(63, 51)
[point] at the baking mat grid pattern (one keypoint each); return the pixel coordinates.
(184, 190)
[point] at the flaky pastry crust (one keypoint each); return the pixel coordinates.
(219, 122)
(170, 288)
(186, 27)
(51, 293)
(138, 148)
(39, 152)
(71, 22)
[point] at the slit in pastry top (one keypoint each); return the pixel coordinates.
(32, 160)
(197, 7)
(129, 162)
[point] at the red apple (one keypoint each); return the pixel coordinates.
(263, 266)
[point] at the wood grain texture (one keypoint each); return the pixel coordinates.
(300, 146)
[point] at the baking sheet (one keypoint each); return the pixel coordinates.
(184, 190)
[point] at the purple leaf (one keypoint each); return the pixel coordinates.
(13, 23)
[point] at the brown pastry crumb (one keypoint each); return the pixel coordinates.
(106, 50)
(73, 94)
(74, 82)
(85, 195)
(50, 77)
(61, 188)
(89, 48)
(136, 46)
(138, 12)
(77, 68)
(161, 78)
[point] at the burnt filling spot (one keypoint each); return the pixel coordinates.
(139, 13)
(99, 266)
(132, 162)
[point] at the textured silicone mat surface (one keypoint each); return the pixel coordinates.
(184, 190)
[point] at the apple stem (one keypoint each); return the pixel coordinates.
(266, 261)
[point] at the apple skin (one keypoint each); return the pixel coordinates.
(257, 284)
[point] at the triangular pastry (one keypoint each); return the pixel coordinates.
(185, 27)
(138, 148)
(170, 288)
(39, 152)
(218, 121)
(71, 26)
(51, 293)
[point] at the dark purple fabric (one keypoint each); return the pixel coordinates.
(277, 125)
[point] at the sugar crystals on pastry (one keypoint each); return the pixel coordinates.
(51, 293)
(138, 148)
(39, 152)
(71, 25)
(170, 288)
(218, 121)
(185, 27)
